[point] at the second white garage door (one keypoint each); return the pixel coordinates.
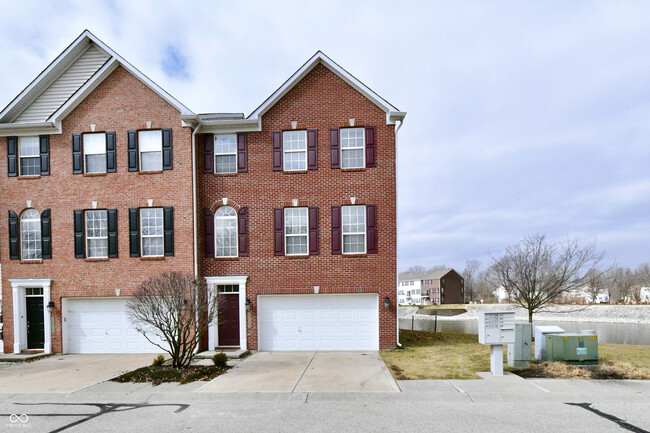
(318, 322)
(102, 325)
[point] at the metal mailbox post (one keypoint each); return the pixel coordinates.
(496, 328)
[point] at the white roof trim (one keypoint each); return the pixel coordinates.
(82, 92)
(317, 58)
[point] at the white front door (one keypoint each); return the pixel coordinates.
(102, 325)
(318, 322)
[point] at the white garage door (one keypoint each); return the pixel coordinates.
(97, 325)
(318, 322)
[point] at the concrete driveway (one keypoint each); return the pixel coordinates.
(306, 372)
(66, 373)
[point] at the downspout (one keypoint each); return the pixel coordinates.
(401, 122)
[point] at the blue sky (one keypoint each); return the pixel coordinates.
(523, 117)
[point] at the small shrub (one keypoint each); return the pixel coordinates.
(220, 360)
(158, 361)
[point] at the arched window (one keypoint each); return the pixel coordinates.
(30, 235)
(225, 232)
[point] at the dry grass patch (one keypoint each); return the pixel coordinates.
(606, 370)
(445, 307)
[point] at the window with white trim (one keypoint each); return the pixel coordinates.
(29, 155)
(150, 148)
(96, 234)
(353, 154)
(30, 235)
(296, 231)
(354, 229)
(294, 148)
(152, 232)
(225, 153)
(225, 232)
(94, 147)
(228, 288)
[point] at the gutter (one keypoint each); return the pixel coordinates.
(397, 128)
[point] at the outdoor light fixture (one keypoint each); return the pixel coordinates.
(50, 306)
(248, 304)
(387, 302)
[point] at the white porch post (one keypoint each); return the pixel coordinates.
(243, 317)
(18, 328)
(47, 347)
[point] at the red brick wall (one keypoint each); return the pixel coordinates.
(118, 104)
(321, 100)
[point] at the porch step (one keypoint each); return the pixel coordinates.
(230, 353)
(23, 357)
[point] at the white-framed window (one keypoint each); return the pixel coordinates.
(296, 231)
(225, 153)
(228, 288)
(152, 232)
(294, 149)
(354, 229)
(150, 148)
(225, 232)
(353, 152)
(96, 234)
(29, 155)
(94, 146)
(30, 235)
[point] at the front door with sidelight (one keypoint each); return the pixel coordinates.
(228, 318)
(35, 318)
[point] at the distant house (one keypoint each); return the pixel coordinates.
(445, 286)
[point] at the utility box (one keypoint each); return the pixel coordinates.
(519, 352)
(496, 327)
(540, 339)
(572, 348)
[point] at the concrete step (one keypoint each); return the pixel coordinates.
(231, 354)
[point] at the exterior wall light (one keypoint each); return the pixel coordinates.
(50, 306)
(387, 302)
(248, 304)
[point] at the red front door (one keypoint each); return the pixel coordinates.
(228, 319)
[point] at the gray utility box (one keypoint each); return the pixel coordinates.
(496, 327)
(540, 339)
(519, 353)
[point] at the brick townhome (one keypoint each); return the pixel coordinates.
(444, 286)
(293, 221)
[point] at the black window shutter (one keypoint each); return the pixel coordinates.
(313, 231)
(242, 231)
(336, 230)
(79, 234)
(168, 156)
(312, 149)
(44, 141)
(13, 236)
(208, 219)
(132, 146)
(208, 153)
(77, 156)
(371, 229)
(169, 230)
(12, 153)
(46, 234)
(335, 153)
(242, 153)
(134, 232)
(371, 148)
(112, 233)
(277, 150)
(278, 231)
(111, 160)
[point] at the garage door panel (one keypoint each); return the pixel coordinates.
(318, 322)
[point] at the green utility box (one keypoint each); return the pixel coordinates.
(572, 348)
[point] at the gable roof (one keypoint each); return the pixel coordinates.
(392, 113)
(72, 76)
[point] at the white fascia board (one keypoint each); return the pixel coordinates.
(231, 126)
(30, 129)
(395, 116)
(320, 57)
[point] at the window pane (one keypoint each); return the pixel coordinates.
(152, 246)
(151, 232)
(97, 248)
(30, 235)
(96, 233)
(30, 166)
(225, 235)
(295, 231)
(150, 161)
(94, 143)
(354, 244)
(28, 146)
(296, 245)
(225, 144)
(352, 148)
(294, 140)
(352, 158)
(96, 163)
(295, 161)
(226, 164)
(351, 137)
(354, 229)
(150, 141)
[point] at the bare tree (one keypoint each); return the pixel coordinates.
(173, 311)
(594, 284)
(438, 268)
(469, 275)
(537, 272)
(620, 281)
(415, 269)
